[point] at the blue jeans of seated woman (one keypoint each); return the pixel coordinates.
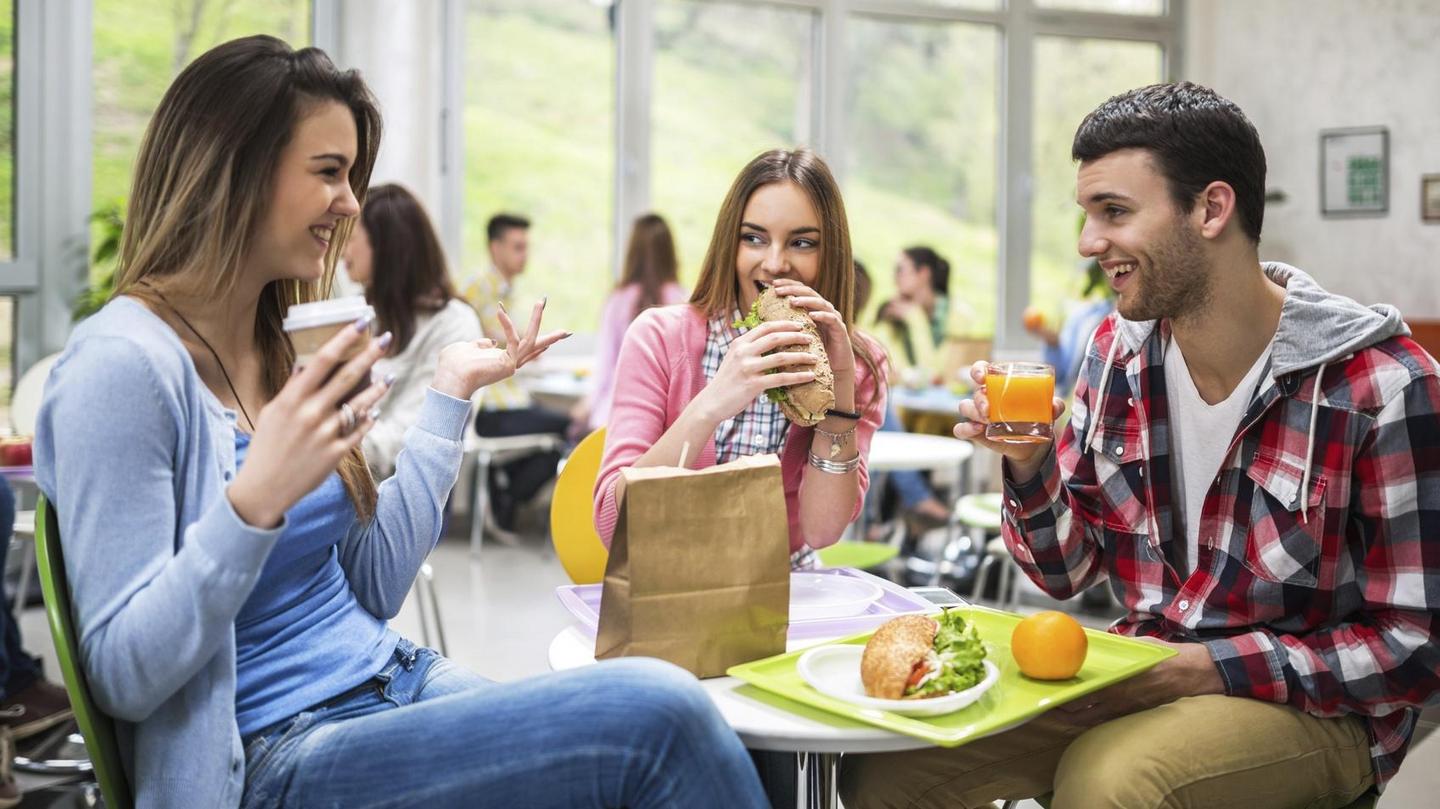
(425, 732)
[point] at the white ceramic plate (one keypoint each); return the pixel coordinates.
(821, 595)
(835, 671)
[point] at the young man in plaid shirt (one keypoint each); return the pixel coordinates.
(1254, 464)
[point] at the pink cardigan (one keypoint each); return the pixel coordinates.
(657, 376)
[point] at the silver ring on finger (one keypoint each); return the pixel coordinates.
(347, 419)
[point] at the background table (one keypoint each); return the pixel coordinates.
(765, 721)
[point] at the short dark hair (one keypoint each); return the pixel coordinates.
(502, 222)
(1197, 137)
(922, 256)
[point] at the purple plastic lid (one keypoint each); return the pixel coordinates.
(583, 602)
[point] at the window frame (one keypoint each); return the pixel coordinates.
(1018, 23)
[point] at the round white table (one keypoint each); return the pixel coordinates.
(932, 399)
(816, 736)
(890, 452)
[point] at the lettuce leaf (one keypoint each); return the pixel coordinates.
(962, 658)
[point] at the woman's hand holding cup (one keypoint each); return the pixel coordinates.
(303, 433)
(1025, 458)
(469, 365)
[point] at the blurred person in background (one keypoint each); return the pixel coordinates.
(919, 500)
(650, 278)
(912, 324)
(505, 407)
(396, 257)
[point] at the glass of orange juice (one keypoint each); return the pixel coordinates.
(1021, 402)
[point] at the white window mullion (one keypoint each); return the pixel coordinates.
(634, 70)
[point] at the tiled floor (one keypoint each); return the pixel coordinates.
(500, 614)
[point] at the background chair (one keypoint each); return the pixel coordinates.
(97, 728)
(25, 401)
(572, 509)
(488, 453)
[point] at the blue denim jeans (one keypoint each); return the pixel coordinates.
(909, 484)
(631, 733)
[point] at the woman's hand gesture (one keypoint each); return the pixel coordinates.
(467, 366)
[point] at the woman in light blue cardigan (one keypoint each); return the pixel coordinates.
(233, 564)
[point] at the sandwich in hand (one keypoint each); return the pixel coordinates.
(918, 657)
(803, 404)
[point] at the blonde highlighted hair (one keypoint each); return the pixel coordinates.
(203, 181)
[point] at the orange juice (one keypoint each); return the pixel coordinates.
(1021, 396)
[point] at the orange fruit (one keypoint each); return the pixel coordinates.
(1049, 645)
(1032, 317)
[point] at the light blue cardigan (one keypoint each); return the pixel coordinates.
(135, 453)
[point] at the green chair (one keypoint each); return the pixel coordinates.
(97, 728)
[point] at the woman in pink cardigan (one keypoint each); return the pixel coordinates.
(686, 376)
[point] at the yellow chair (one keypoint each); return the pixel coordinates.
(572, 523)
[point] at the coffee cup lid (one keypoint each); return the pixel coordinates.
(325, 313)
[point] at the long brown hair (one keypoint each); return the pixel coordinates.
(407, 272)
(718, 292)
(650, 260)
(203, 182)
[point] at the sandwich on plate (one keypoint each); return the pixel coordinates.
(919, 657)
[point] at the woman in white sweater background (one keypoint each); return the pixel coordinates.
(396, 256)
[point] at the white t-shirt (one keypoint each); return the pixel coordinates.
(1199, 435)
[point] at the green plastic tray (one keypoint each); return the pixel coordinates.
(1013, 700)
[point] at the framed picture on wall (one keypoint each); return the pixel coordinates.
(1355, 171)
(1430, 198)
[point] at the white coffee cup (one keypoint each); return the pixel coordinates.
(311, 325)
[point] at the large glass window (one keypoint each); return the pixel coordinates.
(1073, 77)
(539, 129)
(7, 129)
(731, 80)
(1148, 7)
(921, 157)
(141, 45)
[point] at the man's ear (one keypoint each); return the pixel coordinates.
(1214, 208)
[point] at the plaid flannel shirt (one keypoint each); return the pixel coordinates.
(1316, 590)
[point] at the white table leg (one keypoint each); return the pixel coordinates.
(817, 785)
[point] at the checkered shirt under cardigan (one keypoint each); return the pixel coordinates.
(759, 429)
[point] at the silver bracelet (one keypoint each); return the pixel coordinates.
(834, 467)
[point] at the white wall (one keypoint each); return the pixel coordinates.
(1299, 66)
(397, 48)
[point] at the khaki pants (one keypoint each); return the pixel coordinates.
(1211, 751)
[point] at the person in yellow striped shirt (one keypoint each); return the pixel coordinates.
(506, 407)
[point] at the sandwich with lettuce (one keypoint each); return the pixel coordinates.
(803, 404)
(919, 657)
